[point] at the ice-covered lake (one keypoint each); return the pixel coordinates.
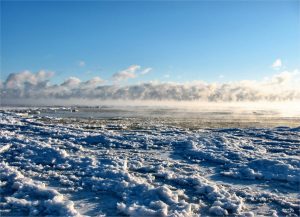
(148, 163)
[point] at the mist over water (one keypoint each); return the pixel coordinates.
(183, 114)
(36, 88)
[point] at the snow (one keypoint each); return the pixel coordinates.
(31, 197)
(55, 167)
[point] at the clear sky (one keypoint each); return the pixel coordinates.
(180, 41)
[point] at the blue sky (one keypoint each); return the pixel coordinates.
(180, 41)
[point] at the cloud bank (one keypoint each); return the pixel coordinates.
(36, 86)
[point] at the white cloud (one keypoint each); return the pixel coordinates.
(26, 78)
(81, 63)
(125, 74)
(146, 71)
(277, 64)
(71, 82)
(132, 71)
(92, 83)
(27, 85)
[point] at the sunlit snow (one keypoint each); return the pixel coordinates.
(68, 167)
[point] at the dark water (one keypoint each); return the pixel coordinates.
(188, 118)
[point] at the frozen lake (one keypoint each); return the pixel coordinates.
(149, 162)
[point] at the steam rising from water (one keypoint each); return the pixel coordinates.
(36, 88)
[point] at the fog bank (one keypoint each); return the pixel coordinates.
(36, 88)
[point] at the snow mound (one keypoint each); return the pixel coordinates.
(27, 197)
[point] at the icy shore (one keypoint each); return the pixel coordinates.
(67, 170)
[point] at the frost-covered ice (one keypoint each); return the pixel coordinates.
(54, 169)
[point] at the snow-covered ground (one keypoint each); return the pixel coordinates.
(61, 168)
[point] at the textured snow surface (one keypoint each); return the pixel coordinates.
(51, 169)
